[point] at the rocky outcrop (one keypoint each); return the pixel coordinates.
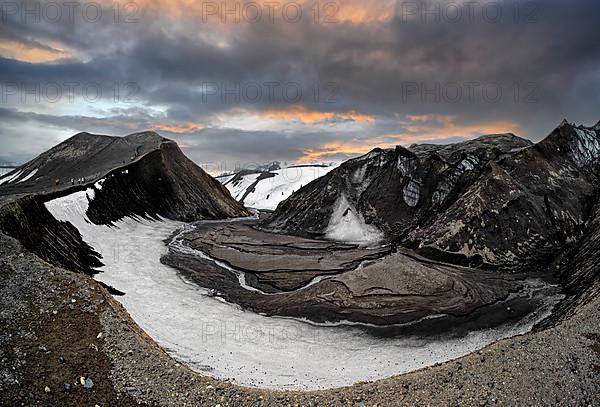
(58, 243)
(579, 272)
(163, 183)
(497, 201)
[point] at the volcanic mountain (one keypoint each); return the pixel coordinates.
(140, 175)
(404, 233)
(498, 201)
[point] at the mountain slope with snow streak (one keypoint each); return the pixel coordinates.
(266, 189)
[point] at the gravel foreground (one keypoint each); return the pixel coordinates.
(66, 342)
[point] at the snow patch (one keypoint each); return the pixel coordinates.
(406, 165)
(29, 176)
(451, 177)
(467, 165)
(348, 225)
(239, 187)
(99, 183)
(587, 146)
(12, 178)
(359, 175)
(71, 207)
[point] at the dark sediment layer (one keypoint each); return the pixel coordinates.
(277, 262)
(362, 285)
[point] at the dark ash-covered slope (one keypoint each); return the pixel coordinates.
(141, 175)
(497, 201)
(166, 183)
(85, 155)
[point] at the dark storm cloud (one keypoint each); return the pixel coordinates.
(552, 62)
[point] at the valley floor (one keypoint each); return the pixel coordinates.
(60, 327)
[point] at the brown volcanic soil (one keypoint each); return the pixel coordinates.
(49, 340)
(370, 285)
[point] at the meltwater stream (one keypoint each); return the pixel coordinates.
(222, 340)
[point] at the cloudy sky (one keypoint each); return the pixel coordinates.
(237, 82)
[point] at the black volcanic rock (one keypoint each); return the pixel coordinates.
(166, 183)
(579, 271)
(498, 200)
(56, 242)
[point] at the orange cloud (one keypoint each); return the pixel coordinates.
(300, 113)
(32, 52)
(432, 127)
(424, 128)
(357, 147)
(365, 11)
(327, 12)
(182, 128)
